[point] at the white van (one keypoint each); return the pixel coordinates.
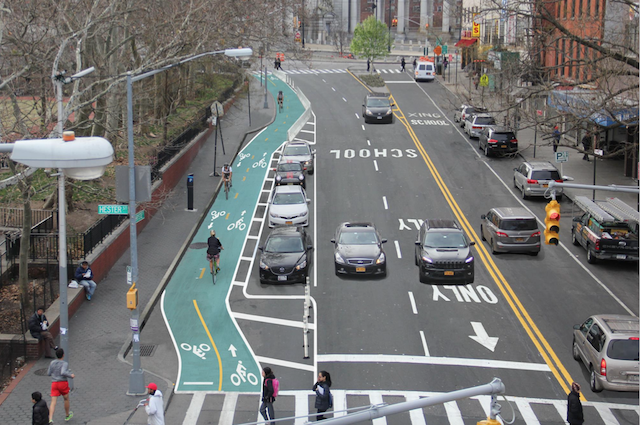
(424, 71)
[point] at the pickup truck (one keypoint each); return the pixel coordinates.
(604, 236)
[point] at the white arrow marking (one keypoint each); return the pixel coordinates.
(482, 337)
(234, 349)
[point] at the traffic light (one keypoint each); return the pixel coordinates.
(552, 223)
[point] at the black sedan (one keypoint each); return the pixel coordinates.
(358, 250)
(290, 172)
(377, 108)
(285, 256)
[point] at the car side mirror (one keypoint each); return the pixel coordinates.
(333, 241)
(418, 243)
(363, 105)
(515, 169)
(309, 247)
(483, 216)
(261, 248)
(472, 243)
(273, 169)
(383, 240)
(576, 327)
(308, 201)
(313, 151)
(567, 178)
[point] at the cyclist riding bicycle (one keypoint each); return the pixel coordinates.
(227, 173)
(280, 99)
(213, 251)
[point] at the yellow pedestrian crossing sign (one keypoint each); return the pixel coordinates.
(484, 80)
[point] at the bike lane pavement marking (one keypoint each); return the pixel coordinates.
(213, 354)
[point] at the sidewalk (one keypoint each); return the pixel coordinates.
(99, 329)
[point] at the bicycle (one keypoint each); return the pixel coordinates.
(226, 189)
(281, 101)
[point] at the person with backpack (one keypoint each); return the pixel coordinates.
(324, 399)
(270, 387)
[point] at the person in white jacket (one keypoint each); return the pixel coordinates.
(154, 406)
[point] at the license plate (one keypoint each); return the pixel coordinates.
(289, 222)
(633, 378)
(282, 278)
(503, 146)
(545, 185)
(448, 273)
(379, 118)
(519, 239)
(360, 269)
(622, 257)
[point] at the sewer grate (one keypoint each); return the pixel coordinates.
(41, 372)
(147, 350)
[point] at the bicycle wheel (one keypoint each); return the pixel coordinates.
(226, 189)
(215, 274)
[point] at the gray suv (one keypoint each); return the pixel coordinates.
(510, 229)
(474, 124)
(532, 178)
(607, 344)
(443, 253)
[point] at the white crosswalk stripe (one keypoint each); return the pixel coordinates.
(525, 408)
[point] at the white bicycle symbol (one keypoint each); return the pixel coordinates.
(199, 351)
(262, 163)
(216, 214)
(240, 225)
(243, 156)
(241, 375)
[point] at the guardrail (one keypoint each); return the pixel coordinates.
(14, 217)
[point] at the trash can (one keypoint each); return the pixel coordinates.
(439, 68)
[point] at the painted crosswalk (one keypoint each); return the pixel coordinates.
(332, 71)
(295, 407)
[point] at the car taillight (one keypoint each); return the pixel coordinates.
(529, 181)
(603, 367)
(514, 140)
(597, 245)
(476, 128)
(492, 141)
(533, 235)
(559, 181)
(634, 338)
(502, 234)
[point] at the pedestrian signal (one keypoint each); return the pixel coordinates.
(552, 223)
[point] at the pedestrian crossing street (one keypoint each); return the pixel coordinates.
(331, 71)
(295, 406)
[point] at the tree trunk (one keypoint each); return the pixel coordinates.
(23, 262)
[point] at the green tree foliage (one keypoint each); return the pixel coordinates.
(370, 39)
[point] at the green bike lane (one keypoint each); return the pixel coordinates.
(213, 354)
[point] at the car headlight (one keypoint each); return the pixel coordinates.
(388, 111)
(301, 265)
(274, 215)
(307, 162)
(263, 265)
(339, 259)
(278, 177)
(380, 259)
(300, 177)
(469, 260)
(368, 111)
(428, 262)
(304, 214)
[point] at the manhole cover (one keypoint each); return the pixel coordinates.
(147, 350)
(198, 245)
(41, 372)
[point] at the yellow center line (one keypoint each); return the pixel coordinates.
(213, 344)
(549, 356)
(202, 273)
(236, 197)
(226, 217)
(248, 169)
(245, 177)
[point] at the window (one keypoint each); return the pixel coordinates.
(573, 8)
(558, 57)
(563, 56)
(578, 64)
(597, 11)
(588, 10)
(580, 8)
(586, 325)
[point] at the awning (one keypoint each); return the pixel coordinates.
(466, 42)
(584, 104)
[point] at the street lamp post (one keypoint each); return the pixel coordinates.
(60, 80)
(136, 376)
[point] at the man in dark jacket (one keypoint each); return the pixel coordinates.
(574, 407)
(84, 277)
(586, 145)
(38, 326)
(40, 410)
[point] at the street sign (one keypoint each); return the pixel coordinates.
(484, 80)
(139, 216)
(298, 36)
(113, 209)
(598, 152)
(129, 275)
(445, 49)
(438, 50)
(450, 57)
(562, 156)
(539, 112)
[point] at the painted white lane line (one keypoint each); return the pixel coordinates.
(376, 399)
(527, 413)
(324, 81)
(453, 413)
(197, 383)
(344, 99)
(398, 82)
(228, 409)
(333, 89)
(412, 300)
(272, 320)
(375, 164)
(448, 361)
(424, 344)
(368, 142)
(416, 415)
(398, 252)
(285, 363)
(384, 201)
(357, 116)
(191, 417)
(302, 408)
(362, 127)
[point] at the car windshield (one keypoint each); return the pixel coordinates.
(485, 121)
(444, 240)
(378, 103)
(288, 198)
(623, 349)
(296, 150)
(358, 238)
(293, 166)
(284, 244)
(521, 224)
(545, 175)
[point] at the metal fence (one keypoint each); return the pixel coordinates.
(14, 217)
(11, 350)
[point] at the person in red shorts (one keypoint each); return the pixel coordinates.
(59, 372)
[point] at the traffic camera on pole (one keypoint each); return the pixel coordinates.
(552, 223)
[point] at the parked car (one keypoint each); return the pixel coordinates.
(300, 151)
(358, 250)
(607, 345)
(288, 206)
(474, 124)
(290, 172)
(443, 253)
(424, 70)
(510, 229)
(285, 258)
(465, 110)
(497, 140)
(377, 107)
(533, 178)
